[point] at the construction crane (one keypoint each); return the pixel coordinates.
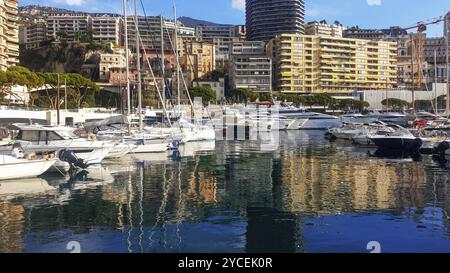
(417, 44)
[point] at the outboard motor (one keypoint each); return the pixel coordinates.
(70, 157)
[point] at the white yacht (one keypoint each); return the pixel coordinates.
(311, 120)
(43, 139)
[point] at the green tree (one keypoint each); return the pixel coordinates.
(396, 104)
(215, 75)
(17, 75)
(244, 95)
(205, 92)
(81, 91)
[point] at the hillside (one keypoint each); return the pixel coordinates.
(191, 22)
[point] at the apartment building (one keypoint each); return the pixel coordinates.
(107, 29)
(150, 32)
(323, 29)
(207, 33)
(308, 64)
(249, 66)
(9, 34)
(69, 26)
(33, 33)
(197, 59)
(373, 34)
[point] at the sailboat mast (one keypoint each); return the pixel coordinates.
(138, 66)
(127, 58)
(435, 81)
(177, 56)
(163, 74)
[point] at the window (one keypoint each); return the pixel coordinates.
(28, 136)
(53, 136)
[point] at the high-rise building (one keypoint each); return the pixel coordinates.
(267, 18)
(249, 66)
(9, 34)
(307, 64)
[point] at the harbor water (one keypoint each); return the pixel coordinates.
(304, 195)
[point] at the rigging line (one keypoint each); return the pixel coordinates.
(153, 36)
(183, 78)
(138, 36)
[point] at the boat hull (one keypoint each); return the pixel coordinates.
(24, 168)
(397, 143)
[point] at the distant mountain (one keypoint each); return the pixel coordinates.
(37, 11)
(191, 22)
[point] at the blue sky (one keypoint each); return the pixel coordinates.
(365, 13)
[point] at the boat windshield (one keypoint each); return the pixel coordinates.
(67, 134)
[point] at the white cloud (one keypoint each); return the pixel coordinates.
(70, 2)
(238, 4)
(374, 2)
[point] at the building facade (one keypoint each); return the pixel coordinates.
(324, 29)
(32, 34)
(197, 59)
(249, 67)
(117, 59)
(267, 18)
(9, 34)
(150, 32)
(308, 64)
(69, 26)
(107, 29)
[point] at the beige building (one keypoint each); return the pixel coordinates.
(117, 59)
(307, 64)
(324, 29)
(197, 59)
(70, 25)
(106, 28)
(9, 34)
(33, 33)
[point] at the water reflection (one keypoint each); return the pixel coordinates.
(309, 195)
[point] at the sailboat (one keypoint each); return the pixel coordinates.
(143, 141)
